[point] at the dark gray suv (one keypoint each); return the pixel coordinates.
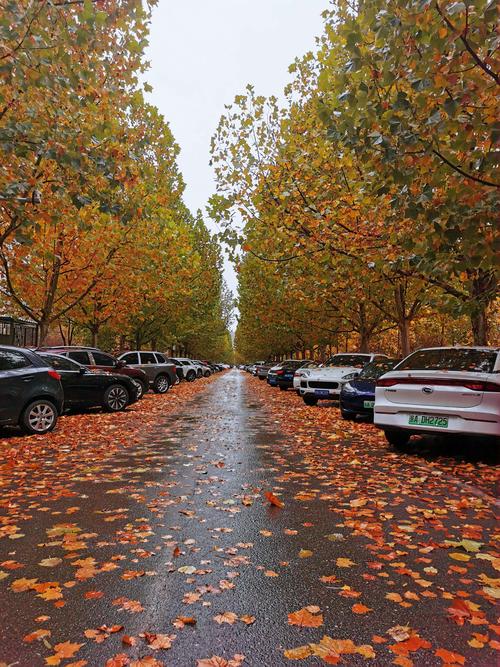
(160, 371)
(31, 394)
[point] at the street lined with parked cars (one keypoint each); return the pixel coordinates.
(434, 391)
(38, 386)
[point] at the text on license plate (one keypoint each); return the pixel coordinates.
(321, 392)
(428, 420)
(369, 404)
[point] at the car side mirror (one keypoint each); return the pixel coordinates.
(83, 371)
(120, 363)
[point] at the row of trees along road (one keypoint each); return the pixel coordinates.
(366, 201)
(111, 250)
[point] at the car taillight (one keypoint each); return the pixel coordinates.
(478, 385)
(280, 372)
(388, 383)
(54, 374)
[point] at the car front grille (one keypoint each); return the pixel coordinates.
(319, 384)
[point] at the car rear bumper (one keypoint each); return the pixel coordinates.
(282, 382)
(470, 424)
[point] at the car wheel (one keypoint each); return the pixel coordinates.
(261, 377)
(116, 398)
(283, 388)
(141, 388)
(207, 374)
(349, 416)
(161, 384)
(191, 376)
(398, 439)
(39, 417)
(310, 400)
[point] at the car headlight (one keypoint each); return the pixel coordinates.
(350, 376)
(305, 374)
(348, 388)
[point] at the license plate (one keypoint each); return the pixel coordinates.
(321, 392)
(428, 420)
(369, 404)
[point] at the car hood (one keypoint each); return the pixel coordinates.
(363, 386)
(331, 373)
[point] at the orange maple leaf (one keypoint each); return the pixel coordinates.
(306, 619)
(274, 500)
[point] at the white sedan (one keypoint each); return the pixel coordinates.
(440, 390)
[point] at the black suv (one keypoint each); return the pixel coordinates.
(31, 394)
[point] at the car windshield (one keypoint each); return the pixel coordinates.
(377, 368)
(292, 364)
(450, 359)
(348, 360)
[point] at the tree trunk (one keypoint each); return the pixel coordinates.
(479, 322)
(43, 331)
(404, 336)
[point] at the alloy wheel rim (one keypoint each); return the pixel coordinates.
(162, 384)
(139, 388)
(117, 398)
(41, 417)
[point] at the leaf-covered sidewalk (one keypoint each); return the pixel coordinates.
(230, 525)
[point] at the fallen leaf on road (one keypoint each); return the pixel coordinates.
(274, 500)
(306, 619)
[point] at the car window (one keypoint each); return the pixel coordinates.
(148, 358)
(80, 356)
(377, 368)
(131, 358)
(451, 359)
(10, 360)
(292, 364)
(101, 359)
(175, 361)
(160, 358)
(354, 360)
(61, 363)
(186, 363)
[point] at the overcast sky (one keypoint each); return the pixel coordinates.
(204, 52)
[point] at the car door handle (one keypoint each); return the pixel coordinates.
(29, 378)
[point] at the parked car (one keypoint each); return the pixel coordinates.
(441, 390)
(357, 397)
(97, 360)
(325, 383)
(186, 370)
(86, 389)
(262, 370)
(285, 375)
(299, 373)
(272, 374)
(31, 394)
(206, 371)
(161, 372)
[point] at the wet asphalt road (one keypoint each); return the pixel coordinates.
(190, 495)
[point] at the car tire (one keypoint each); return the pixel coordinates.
(398, 439)
(310, 400)
(161, 384)
(207, 374)
(283, 388)
(261, 377)
(116, 398)
(191, 376)
(39, 417)
(348, 416)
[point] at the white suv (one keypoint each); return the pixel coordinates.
(442, 390)
(325, 383)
